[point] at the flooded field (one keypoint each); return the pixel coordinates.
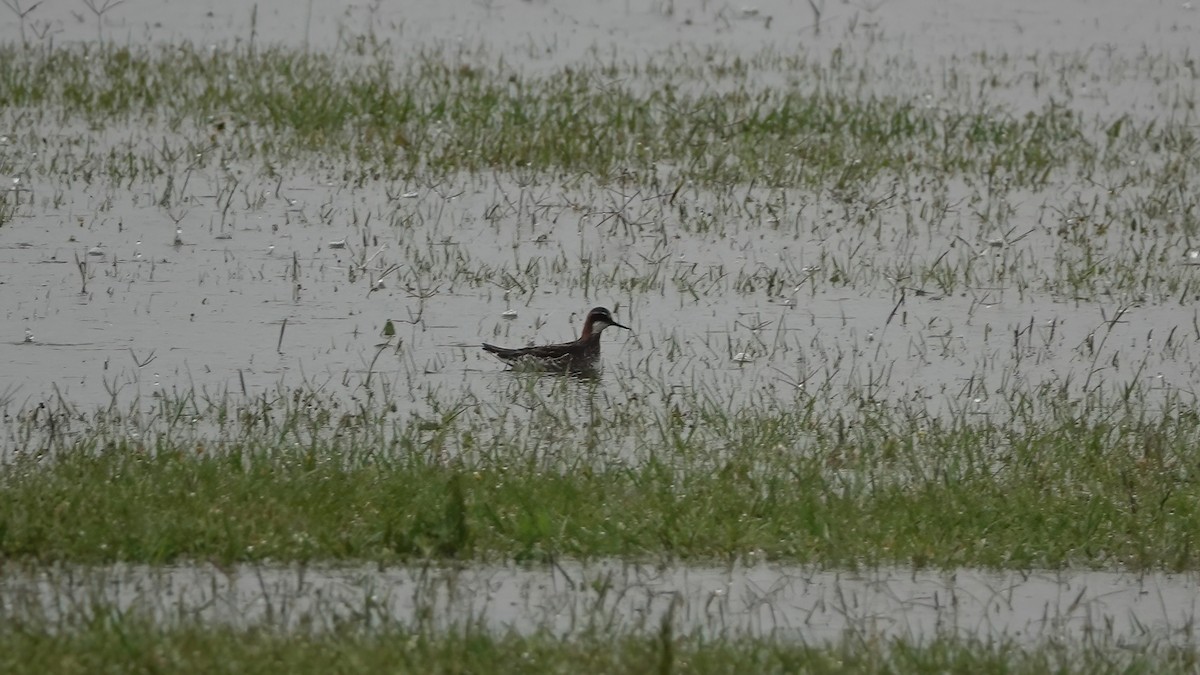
(571, 599)
(912, 286)
(143, 259)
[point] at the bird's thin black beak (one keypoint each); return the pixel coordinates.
(622, 326)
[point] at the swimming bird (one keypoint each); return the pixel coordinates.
(580, 355)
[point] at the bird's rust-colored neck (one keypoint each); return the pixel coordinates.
(587, 330)
(593, 325)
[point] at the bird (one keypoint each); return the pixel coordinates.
(578, 356)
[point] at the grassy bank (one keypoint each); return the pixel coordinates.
(1108, 490)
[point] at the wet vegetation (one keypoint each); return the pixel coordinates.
(990, 181)
(133, 645)
(430, 116)
(294, 480)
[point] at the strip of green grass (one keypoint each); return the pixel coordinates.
(429, 115)
(130, 645)
(1069, 492)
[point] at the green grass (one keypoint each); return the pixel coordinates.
(425, 115)
(115, 643)
(1111, 489)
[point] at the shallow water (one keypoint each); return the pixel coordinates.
(293, 284)
(280, 295)
(570, 598)
(543, 32)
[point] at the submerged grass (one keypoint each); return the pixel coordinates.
(870, 186)
(130, 644)
(1091, 488)
(714, 145)
(423, 115)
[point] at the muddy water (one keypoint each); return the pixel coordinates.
(107, 299)
(790, 603)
